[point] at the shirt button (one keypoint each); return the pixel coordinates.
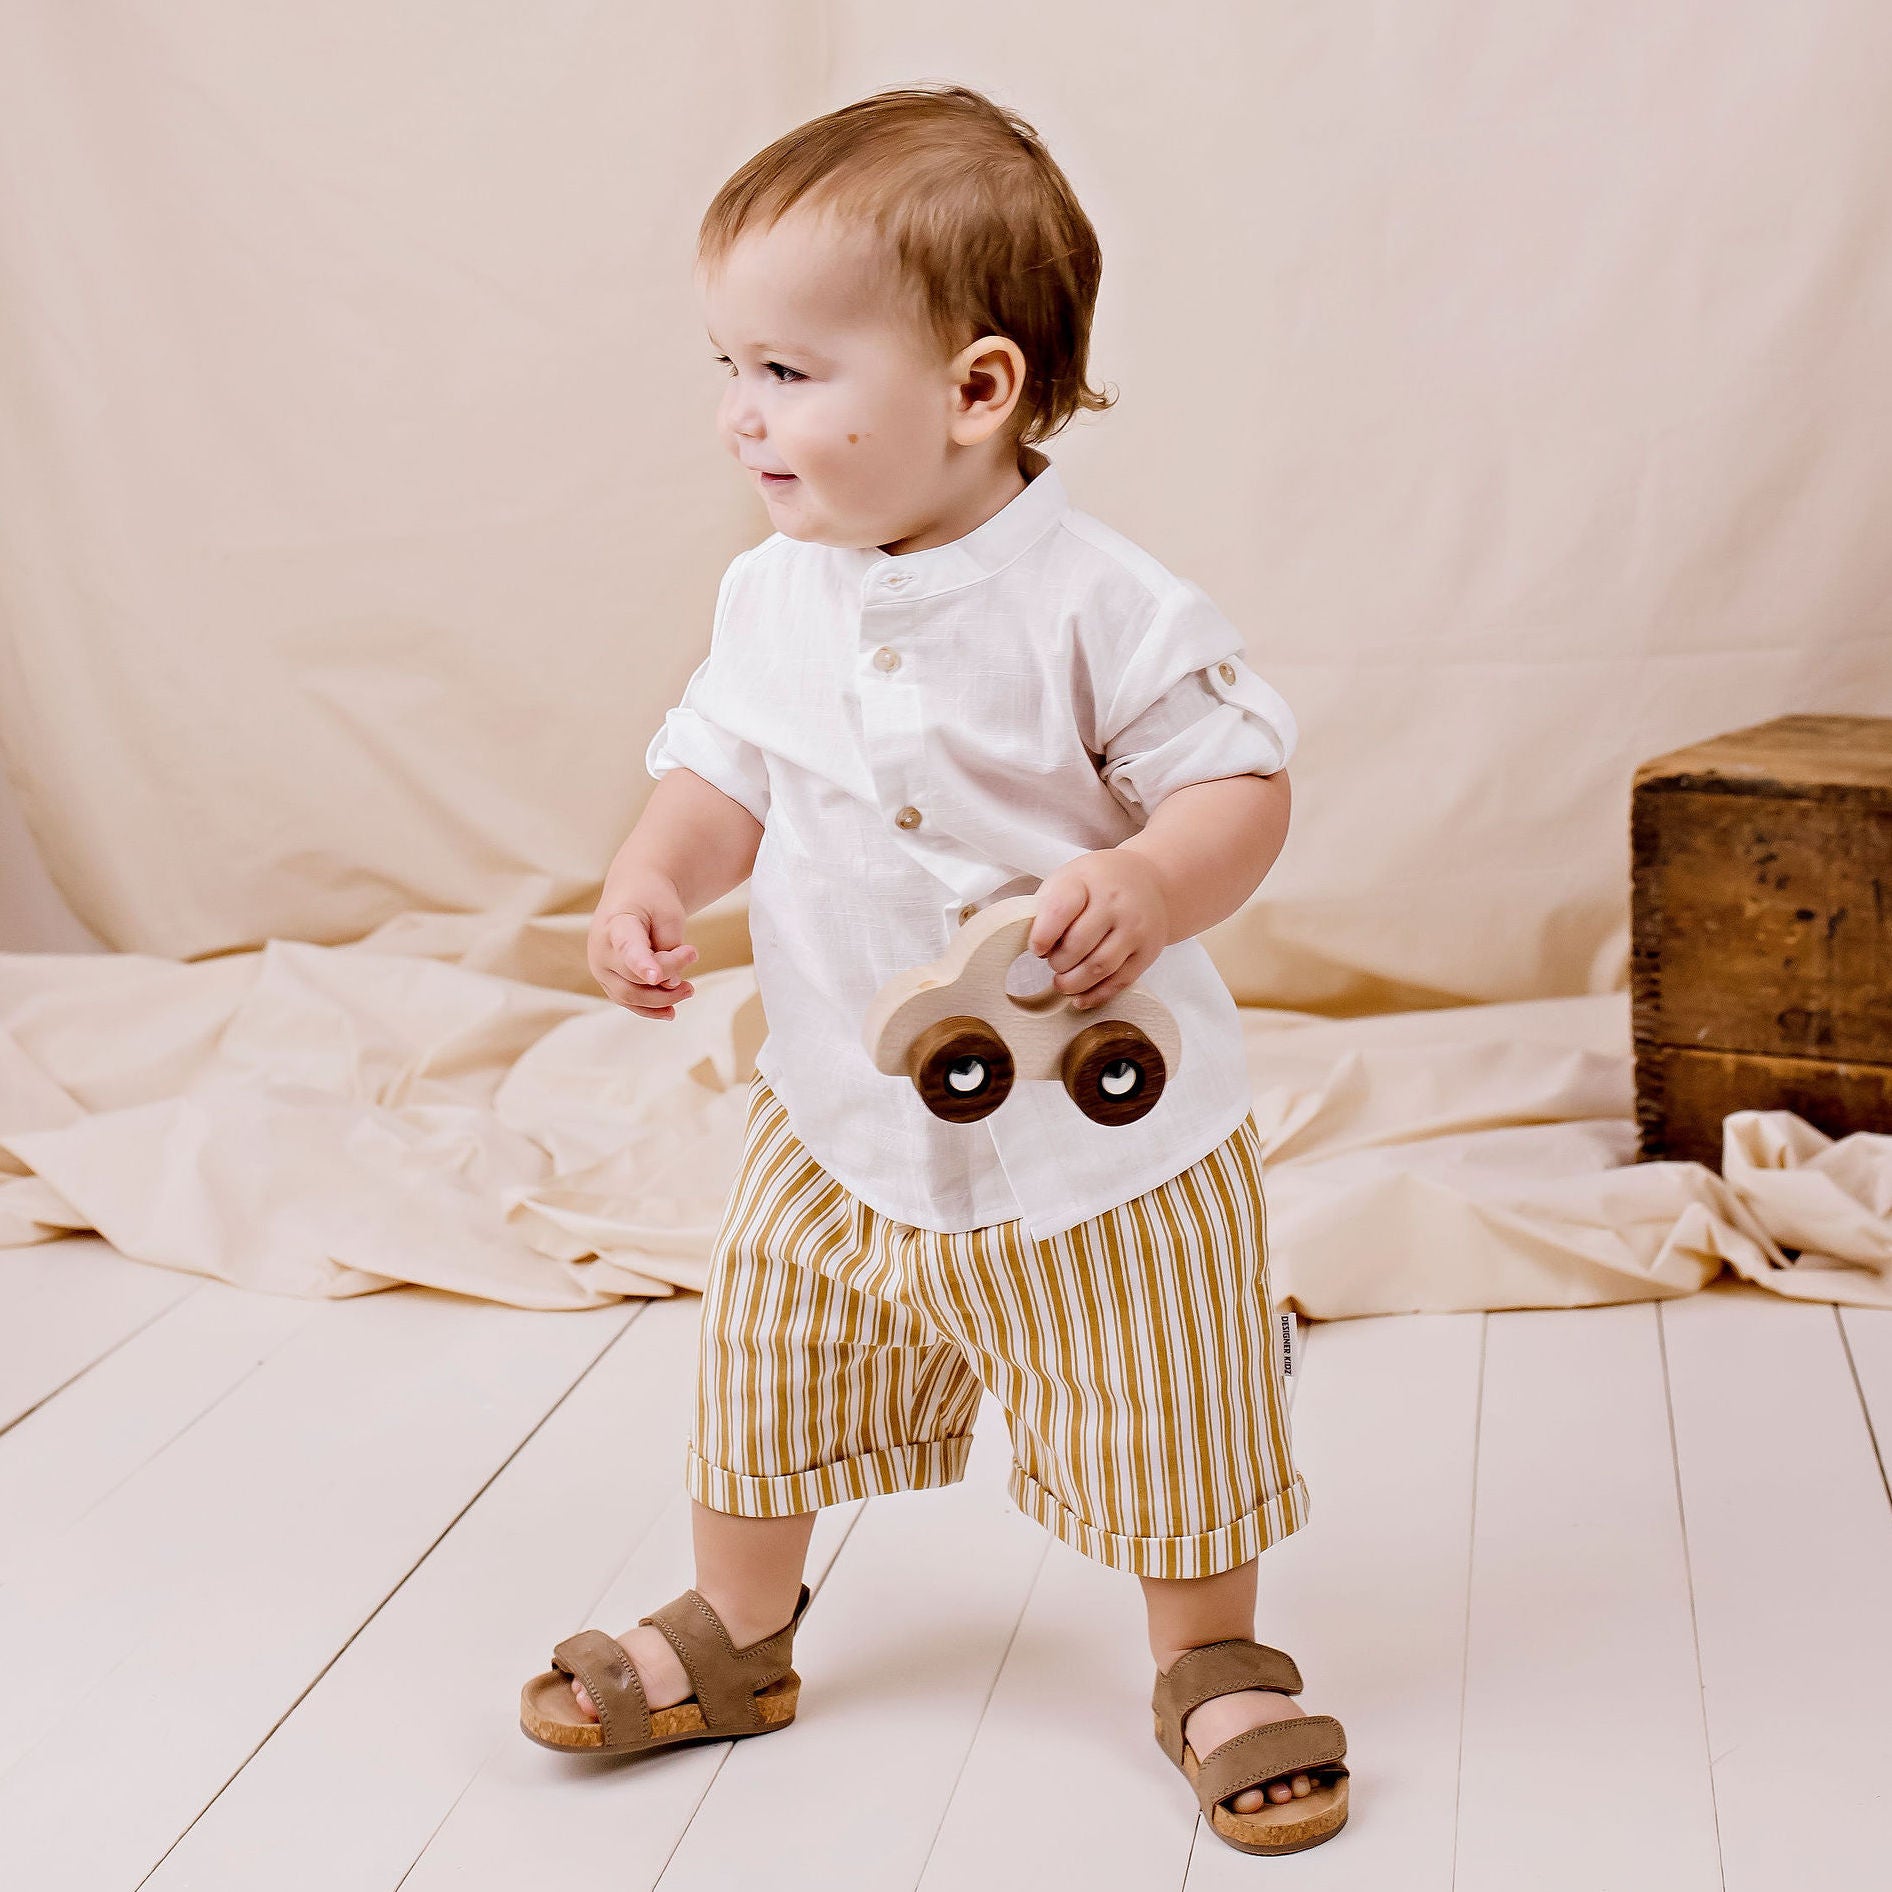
(1227, 672)
(966, 913)
(908, 817)
(895, 580)
(887, 659)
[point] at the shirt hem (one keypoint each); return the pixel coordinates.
(1141, 1182)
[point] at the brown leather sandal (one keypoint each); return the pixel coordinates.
(1312, 1745)
(738, 1691)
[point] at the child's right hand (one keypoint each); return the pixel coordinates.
(637, 955)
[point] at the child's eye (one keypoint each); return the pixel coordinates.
(793, 374)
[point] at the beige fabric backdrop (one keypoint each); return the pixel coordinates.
(1515, 375)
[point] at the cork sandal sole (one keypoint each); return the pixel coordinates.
(1289, 1827)
(549, 1714)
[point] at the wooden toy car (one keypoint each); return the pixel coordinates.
(963, 1039)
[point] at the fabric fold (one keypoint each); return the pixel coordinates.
(332, 1121)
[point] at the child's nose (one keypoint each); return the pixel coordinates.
(741, 415)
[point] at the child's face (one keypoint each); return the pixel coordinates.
(834, 384)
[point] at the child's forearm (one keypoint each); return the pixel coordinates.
(691, 834)
(1212, 844)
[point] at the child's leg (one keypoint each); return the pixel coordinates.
(749, 1572)
(1189, 1612)
(809, 1390)
(1135, 1355)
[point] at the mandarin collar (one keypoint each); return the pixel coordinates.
(988, 547)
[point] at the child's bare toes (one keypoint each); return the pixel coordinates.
(1224, 1716)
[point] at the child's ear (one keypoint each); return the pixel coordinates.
(990, 376)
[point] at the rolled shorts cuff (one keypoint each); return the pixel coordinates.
(1205, 1554)
(914, 1467)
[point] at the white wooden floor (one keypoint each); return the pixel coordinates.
(1604, 1598)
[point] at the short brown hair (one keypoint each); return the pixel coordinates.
(978, 220)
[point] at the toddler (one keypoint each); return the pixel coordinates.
(936, 685)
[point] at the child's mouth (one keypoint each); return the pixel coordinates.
(776, 479)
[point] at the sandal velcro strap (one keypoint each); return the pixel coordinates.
(1306, 1745)
(1217, 1668)
(600, 1662)
(725, 1679)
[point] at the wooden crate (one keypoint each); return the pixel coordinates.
(1761, 909)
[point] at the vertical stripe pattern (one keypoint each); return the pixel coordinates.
(843, 1354)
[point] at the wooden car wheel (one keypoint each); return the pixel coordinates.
(1113, 1072)
(961, 1068)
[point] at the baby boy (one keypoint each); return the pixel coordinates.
(937, 684)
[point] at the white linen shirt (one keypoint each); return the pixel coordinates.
(921, 734)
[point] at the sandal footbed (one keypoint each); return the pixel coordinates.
(549, 1714)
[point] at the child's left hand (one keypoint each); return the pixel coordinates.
(1102, 920)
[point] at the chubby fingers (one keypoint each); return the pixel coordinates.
(638, 959)
(671, 961)
(1076, 944)
(1060, 902)
(648, 1001)
(662, 967)
(1100, 974)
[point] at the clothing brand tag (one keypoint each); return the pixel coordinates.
(1290, 1340)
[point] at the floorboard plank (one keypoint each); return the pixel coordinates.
(347, 1791)
(1580, 1604)
(190, 1609)
(1867, 1332)
(1058, 1788)
(218, 1534)
(531, 1817)
(1370, 1597)
(897, 1664)
(1790, 1549)
(67, 1303)
(129, 1405)
(1063, 1784)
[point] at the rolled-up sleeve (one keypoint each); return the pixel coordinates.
(696, 736)
(1189, 708)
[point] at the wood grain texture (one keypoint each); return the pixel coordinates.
(1699, 1088)
(1762, 931)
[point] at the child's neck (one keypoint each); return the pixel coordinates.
(997, 487)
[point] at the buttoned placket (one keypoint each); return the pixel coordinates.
(893, 728)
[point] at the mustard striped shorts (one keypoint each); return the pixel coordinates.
(843, 1354)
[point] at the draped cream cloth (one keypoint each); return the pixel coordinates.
(1514, 375)
(333, 1120)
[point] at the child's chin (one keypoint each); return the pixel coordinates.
(808, 532)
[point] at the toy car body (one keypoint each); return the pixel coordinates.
(963, 1039)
